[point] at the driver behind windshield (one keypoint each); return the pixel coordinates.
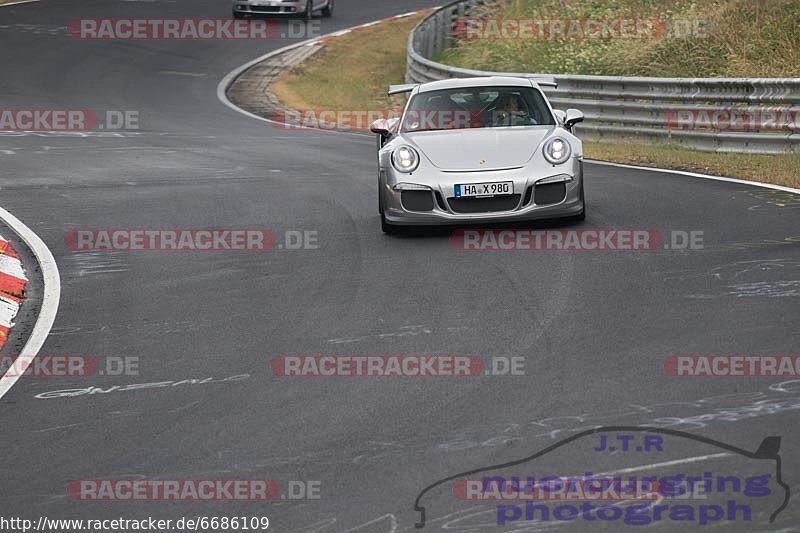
(509, 111)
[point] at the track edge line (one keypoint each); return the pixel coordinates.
(230, 77)
(698, 175)
(51, 295)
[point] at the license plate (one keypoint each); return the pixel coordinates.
(483, 190)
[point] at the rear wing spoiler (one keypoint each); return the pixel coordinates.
(404, 88)
(543, 82)
(408, 87)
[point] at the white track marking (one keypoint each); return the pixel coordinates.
(229, 78)
(51, 295)
(696, 459)
(223, 85)
(18, 3)
(696, 175)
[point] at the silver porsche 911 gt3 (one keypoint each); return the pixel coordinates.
(478, 150)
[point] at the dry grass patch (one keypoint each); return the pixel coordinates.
(777, 169)
(352, 72)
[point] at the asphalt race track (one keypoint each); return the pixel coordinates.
(594, 328)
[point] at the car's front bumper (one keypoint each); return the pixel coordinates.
(532, 199)
(270, 7)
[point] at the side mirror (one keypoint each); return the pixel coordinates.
(573, 116)
(380, 126)
(560, 115)
(384, 128)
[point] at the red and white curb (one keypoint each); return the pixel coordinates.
(51, 294)
(12, 287)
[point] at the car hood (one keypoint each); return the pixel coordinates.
(479, 149)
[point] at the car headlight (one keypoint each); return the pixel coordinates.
(405, 159)
(557, 150)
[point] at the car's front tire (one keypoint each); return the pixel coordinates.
(309, 14)
(327, 11)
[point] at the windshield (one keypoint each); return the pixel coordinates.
(476, 107)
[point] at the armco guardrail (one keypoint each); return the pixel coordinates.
(649, 109)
